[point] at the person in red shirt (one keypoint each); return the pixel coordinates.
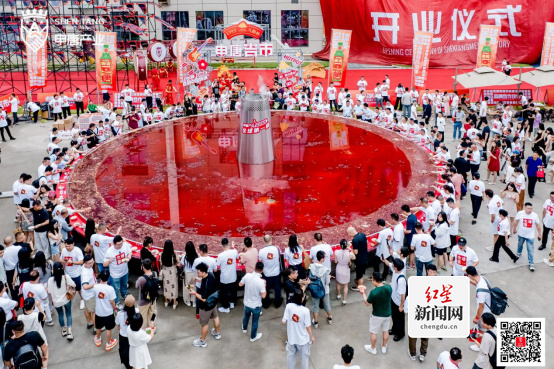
(169, 93)
(155, 79)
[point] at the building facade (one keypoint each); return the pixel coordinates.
(296, 22)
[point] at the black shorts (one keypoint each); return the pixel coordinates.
(440, 251)
(107, 322)
(360, 270)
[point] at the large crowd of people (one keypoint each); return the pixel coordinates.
(47, 266)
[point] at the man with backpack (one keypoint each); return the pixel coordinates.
(487, 348)
(319, 287)
(207, 296)
(23, 349)
(148, 288)
(487, 299)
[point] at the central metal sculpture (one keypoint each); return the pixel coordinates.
(255, 136)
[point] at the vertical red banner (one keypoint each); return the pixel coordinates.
(106, 60)
(420, 58)
(185, 36)
(36, 61)
(488, 45)
(548, 46)
(338, 58)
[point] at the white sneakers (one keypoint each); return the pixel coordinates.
(232, 304)
(384, 349)
(491, 248)
(258, 336)
(223, 310)
(547, 262)
(82, 305)
(370, 349)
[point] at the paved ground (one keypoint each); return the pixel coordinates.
(172, 345)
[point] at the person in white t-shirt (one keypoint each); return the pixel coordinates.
(397, 232)
(72, 259)
(65, 105)
(494, 205)
(254, 293)
(37, 290)
(476, 188)
(105, 300)
(127, 94)
(290, 102)
(270, 255)
(450, 360)
(56, 105)
(101, 243)
(227, 263)
(421, 244)
(524, 224)
(78, 97)
(332, 96)
(299, 331)
(88, 280)
(547, 220)
(362, 84)
(321, 246)
(502, 240)
(461, 257)
(116, 259)
(14, 101)
(358, 110)
(347, 354)
(378, 96)
(384, 247)
(347, 109)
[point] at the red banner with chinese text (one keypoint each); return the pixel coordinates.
(420, 59)
(340, 51)
(36, 64)
(510, 97)
(385, 29)
(548, 46)
(106, 61)
(488, 45)
(184, 38)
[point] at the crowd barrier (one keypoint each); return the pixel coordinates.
(79, 221)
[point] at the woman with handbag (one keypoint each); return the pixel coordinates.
(62, 289)
(343, 258)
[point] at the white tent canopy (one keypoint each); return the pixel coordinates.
(484, 77)
(540, 77)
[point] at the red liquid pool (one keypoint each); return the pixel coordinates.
(184, 177)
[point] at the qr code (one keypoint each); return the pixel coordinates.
(520, 342)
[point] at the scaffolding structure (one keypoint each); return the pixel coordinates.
(78, 19)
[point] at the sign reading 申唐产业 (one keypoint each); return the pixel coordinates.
(438, 307)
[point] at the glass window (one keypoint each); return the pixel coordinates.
(176, 19)
(295, 27)
(206, 22)
(260, 17)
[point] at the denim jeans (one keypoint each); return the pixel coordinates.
(255, 317)
(60, 310)
(379, 101)
(457, 127)
(419, 266)
(120, 286)
(406, 110)
(530, 247)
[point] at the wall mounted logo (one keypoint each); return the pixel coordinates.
(34, 28)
